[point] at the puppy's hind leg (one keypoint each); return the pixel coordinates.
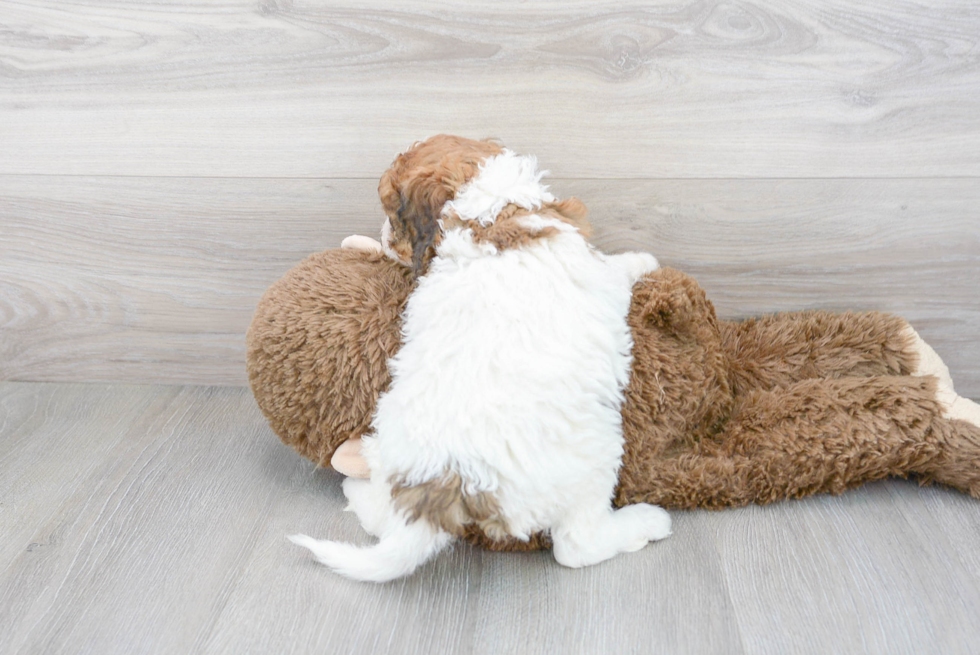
(371, 502)
(597, 534)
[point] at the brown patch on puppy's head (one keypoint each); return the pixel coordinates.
(417, 185)
(508, 231)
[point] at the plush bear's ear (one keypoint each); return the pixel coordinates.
(673, 301)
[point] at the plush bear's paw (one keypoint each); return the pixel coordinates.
(347, 459)
(358, 242)
(929, 361)
(963, 409)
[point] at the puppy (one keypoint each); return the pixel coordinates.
(504, 404)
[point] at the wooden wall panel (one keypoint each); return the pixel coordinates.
(603, 89)
(155, 279)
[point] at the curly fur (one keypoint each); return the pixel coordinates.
(679, 452)
(503, 409)
(715, 413)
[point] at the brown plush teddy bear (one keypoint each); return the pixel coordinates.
(716, 413)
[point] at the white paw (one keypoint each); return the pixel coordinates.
(637, 264)
(649, 523)
(358, 242)
(929, 361)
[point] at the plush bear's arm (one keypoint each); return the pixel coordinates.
(358, 242)
(347, 459)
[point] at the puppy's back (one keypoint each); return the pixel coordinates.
(511, 378)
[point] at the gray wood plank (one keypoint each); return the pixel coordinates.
(136, 557)
(287, 603)
(156, 279)
(597, 89)
(856, 573)
(44, 459)
(947, 512)
(170, 538)
(671, 597)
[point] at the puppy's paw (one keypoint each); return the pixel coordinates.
(647, 523)
(358, 242)
(636, 264)
(369, 502)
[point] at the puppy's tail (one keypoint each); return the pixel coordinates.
(401, 550)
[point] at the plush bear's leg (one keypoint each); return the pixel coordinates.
(819, 436)
(958, 465)
(779, 350)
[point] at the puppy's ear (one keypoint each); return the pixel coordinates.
(413, 198)
(420, 207)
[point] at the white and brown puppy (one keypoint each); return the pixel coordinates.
(504, 405)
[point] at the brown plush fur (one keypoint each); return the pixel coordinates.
(319, 344)
(717, 414)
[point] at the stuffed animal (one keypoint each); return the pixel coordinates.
(716, 413)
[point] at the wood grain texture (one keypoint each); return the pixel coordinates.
(156, 279)
(162, 163)
(152, 519)
(698, 88)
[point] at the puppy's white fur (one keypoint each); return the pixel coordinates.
(511, 375)
(507, 178)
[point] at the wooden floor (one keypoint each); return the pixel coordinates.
(152, 519)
